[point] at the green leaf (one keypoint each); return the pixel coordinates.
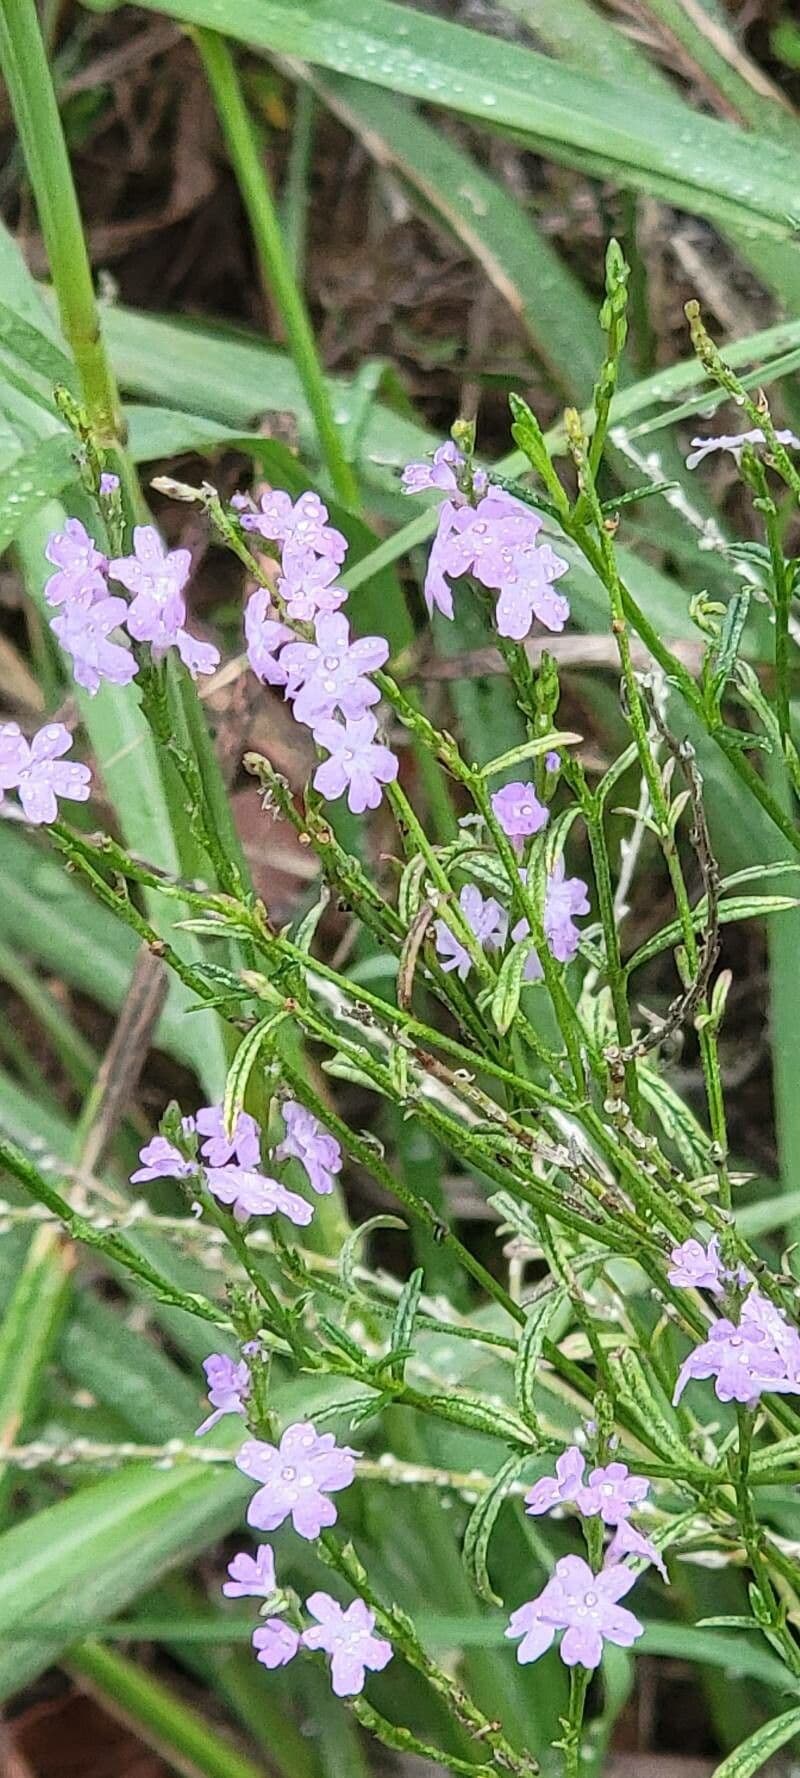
(100, 1548)
(403, 1324)
(529, 1350)
(549, 743)
(348, 1258)
(506, 996)
(481, 1524)
(738, 907)
(31, 479)
(242, 1067)
(758, 1748)
(706, 167)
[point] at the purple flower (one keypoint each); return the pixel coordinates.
(347, 1636)
(694, 1265)
(582, 1604)
(563, 1488)
(735, 443)
(228, 1388)
(307, 583)
(38, 773)
(357, 763)
(519, 810)
(307, 1142)
(417, 478)
(197, 657)
(305, 523)
(628, 1541)
(526, 593)
(251, 1576)
(761, 1354)
(81, 566)
(487, 920)
(255, 1194)
(552, 761)
(83, 632)
(162, 1160)
(109, 483)
(219, 1148)
(276, 1643)
(564, 897)
(296, 1476)
(156, 577)
(483, 539)
(612, 1492)
(328, 674)
(264, 634)
(437, 591)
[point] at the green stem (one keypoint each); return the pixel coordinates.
(275, 263)
(593, 816)
(571, 1745)
(772, 1622)
(25, 66)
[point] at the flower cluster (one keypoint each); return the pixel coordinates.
(484, 531)
(758, 1355)
(90, 614)
(326, 676)
(488, 921)
(576, 1600)
(703, 1268)
(232, 1164)
(38, 771)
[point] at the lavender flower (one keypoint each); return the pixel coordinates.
(38, 773)
(276, 1643)
(157, 613)
(483, 539)
(297, 1476)
(83, 632)
(307, 583)
(437, 590)
(582, 1604)
(519, 811)
(348, 1637)
(264, 634)
(228, 1388)
(109, 484)
(162, 1160)
(487, 920)
(305, 522)
(357, 763)
(219, 1148)
(251, 1577)
(328, 674)
(761, 1354)
(564, 897)
(698, 1267)
(307, 1142)
(612, 1492)
(562, 1489)
(81, 566)
(527, 593)
(735, 443)
(440, 473)
(156, 578)
(628, 1541)
(255, 1194)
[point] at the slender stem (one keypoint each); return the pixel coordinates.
(25, 66)
(592, 813)
(275, 263)
(571, 1745)
(777, 1631)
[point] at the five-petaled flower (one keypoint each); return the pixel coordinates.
(219, 1148)
(80, 565)
(252, 1576)
(297, 1477)
(348, 1636)
(358, 763)
(582, 1604)
(328, 674)
(275, 1643)
(83, 631)
(488, 922)
(228, 1388)
(38, 772)
(162, 1160)
(255, 1194)
(519, 811)
(758, 1355)
(309, 1143)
